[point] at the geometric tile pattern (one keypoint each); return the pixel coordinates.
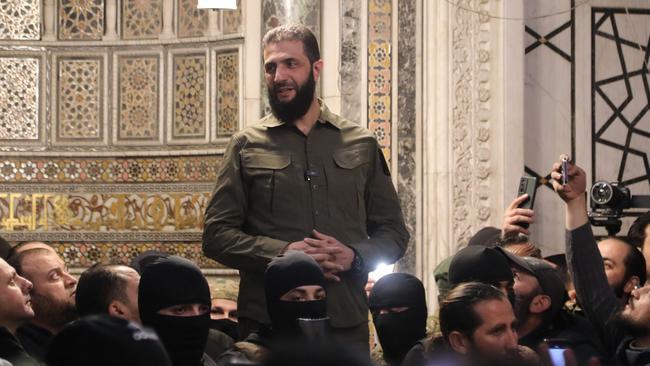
(141, 19)
(227, 93)
(189, 96)
(19, 98)
(81, 19)
(379, 72)
(621, 98)
(232, 20)
(103, 212)
(138, 98)
(80, 98)
(110, 170)
(192, 22)
(20, 19)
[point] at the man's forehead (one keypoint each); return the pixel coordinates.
(41, 259)
(284, 49)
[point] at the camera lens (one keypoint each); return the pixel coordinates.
(602, 192)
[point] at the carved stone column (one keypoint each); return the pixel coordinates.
(111, 21)
(168, 17)
(49, 19)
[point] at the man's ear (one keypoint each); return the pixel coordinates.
(116, 308)
(317, 68)
(631, 283)
(459, 342)
(540, 304)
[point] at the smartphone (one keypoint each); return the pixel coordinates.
(556, 348)
(527, 185)
(565, 169)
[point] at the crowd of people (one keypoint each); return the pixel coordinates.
(304, 208)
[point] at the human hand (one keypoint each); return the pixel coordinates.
(575, 187)
(341, 256)
(515, 215)
(323, 254)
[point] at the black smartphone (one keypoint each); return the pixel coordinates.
(556, 348)
(565, 169)
(527, 185)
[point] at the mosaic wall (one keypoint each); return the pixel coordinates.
(232, 20)
(20, 19)
(81, 19)
(141, 19)
(227, 94)
(189, 96)
(19, 98)
(351, 55)
(80, 98)
(192, 22)
(138, 98)
(379, 72)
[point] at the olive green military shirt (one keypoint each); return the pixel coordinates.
(276, 185)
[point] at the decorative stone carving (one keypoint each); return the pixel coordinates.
(189, 96)
(141, 19)
(379, 72)
(192, 22)
(79, 99)
(19, 98)
(227, 93)
(20, 19)
(138, 98)
(232, 20)
(81, 19)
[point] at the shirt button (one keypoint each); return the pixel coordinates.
(316, 212)
(315, 187)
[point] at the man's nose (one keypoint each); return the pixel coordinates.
(280, 74)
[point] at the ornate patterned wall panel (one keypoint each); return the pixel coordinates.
(351, 58)
(81, 19)
(232, 20)
(138, 98)
(189, 96)
(192, 22)
(80, 99)
(227, 93)
(141, 19)
(19, 98)
(20, 19)
(379, 72)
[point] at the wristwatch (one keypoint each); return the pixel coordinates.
(357, 263)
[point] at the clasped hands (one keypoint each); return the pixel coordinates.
(333, 256)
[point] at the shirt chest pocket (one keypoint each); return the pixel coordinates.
(346, 179)
(268, 177)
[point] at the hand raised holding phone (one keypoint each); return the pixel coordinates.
(575, 177)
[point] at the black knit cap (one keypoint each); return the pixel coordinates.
(291, 270)
(397, 290)
(171, 281)
(480, 264)
(549, 280)
(103, 340)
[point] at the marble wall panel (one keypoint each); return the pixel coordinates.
(192, 22)
(227, 93)
(138, 98)
(189, 96)
(141, 19)
(20, 19)
(79, 90)
(81, 19)
(232, 20)
(379, 72)
(351, 54)
(19, 98)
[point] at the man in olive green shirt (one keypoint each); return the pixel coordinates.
(304, 179)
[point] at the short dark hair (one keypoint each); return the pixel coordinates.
(294, 32)
(457, 308)
(634, 263)
(636, 234)
(98, 286)
(16, 259)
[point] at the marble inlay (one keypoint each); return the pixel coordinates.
(20, 19)
(141, 19)
(81, 19)
(350, 68)
(189, 96)
(79, 99)
(19, 98)
(379, 72)
(192, 22)
(227, 93)
(232, 20)
(138, 98)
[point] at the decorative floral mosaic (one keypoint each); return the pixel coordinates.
(379, 72)
(192, 22)
(20, 19)
(79, 98)
(19, 98)
(94, 212)
(189, 96)
(227, 93)
(81, 19)
(138, 98)
(141, 19)
(232, 20)
(110, 170)
(86, 254)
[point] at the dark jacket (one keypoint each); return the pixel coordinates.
(12, 351)
(629, 356)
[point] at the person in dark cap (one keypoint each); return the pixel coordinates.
(103, 340)
(145, 258)
(399, 311)
(174, 300)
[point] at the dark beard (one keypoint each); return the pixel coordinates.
(631, 328)
(292, 110)
(522, 306)
(51, 312)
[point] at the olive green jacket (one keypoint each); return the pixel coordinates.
(276, 185)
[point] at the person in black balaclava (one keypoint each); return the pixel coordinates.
(399, 311)
(174, 300)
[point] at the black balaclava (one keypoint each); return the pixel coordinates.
(226, 326)
(284, 273)
(398, 332)
(174, 281)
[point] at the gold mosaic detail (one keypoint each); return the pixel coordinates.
(379, 72)
(138, 98)
(80, 98)
(192, 22)
(227, 93)
(53, 212)
(141, 19)
(189, 96)
(20, 19)
(81, 19)
(232, 20)
(110, 170)
(19, 98)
